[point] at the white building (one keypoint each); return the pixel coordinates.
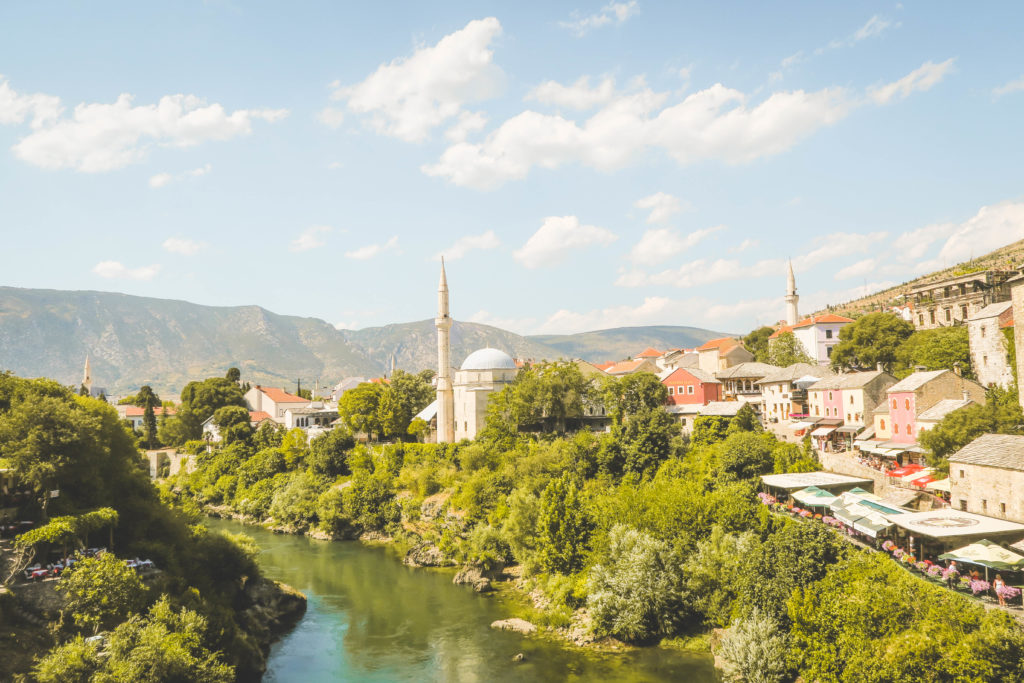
(273, 401)
(484, 372)
(784, 392)
(818, 334)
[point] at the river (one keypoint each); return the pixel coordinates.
(371, 618)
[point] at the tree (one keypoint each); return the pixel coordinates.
(202, 399)
(709, 429)
(754, 651)
(403, 397)
(635, 594)
(101, 592)
(786, 349)
(944, 348)
(1001, 414)
(746, 420)
(647, 440)
(233, 424)
(871, 339)
(359, 408)
(233, 375)
(543, 397)
(757, 343)
(633, 394)
(328, 453)
(746, 455)
(564, 527)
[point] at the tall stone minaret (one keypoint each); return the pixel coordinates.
(445, 393)
(792, 315)
(87, 376)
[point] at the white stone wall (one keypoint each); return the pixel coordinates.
(986, 490)
(988, 352)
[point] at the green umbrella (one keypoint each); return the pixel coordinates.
(987, 554)
(812, 496)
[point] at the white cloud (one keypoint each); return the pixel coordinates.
(464, 245)
(163, 179)
(311, 238)
(39, 108)
(332, 117)
(1009, 87)
(918, 80)
(610, 13)
(662, 205)
(992, 227)
(160, 179)
(371, 250)
(875, 26)
(663, 243)
(468, 122)
(409, 97)
(795, 58)
(114, 270)
(704, 271)
(858, 269)
(580, 95)
(914, 244)
(179, 245)
(744, 245)
(715, 123)
(103, 137)
(557, 237)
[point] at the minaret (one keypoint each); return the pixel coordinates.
(792, 315)
(87, 376)
(445, 394)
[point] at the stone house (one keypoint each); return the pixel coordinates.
(719, 354)
(784, 392)
(988, 344)
(851, 397)
(934, 415)
(986, 477)
(918, 392)
(273, 401)
(628, 367)
(954, 300)
(739, 382)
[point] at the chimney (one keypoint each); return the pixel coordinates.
(956, 368)
(919, 368)
(966, 395)
(879, 367)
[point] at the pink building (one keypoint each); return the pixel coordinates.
(691, 386)
(918, 392)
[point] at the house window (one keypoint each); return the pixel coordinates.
(984, 504)
(910, 429)
(920, 319)
(931, 315)
(963, 504)
(689, 389)
(949, 314)
(963, 312)
(895, 429)
(906, 403)
(851, 399)
(961, 474)
(830, 395)
(815, 411)
(828, 351)
(894, 404)
(671, 391)
(828, 334)
(982, 331)
(984, 360)
(881, 425)
(1002, 508)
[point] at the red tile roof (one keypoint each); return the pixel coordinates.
(624, 367)
(257, 416)
(823, 319)
(782, 330)
(723, 344)
(604, 366)
(280, 395)
(136, 411)
(648, 353)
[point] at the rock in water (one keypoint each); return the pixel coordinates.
(425, 554)
(517, 625)
(519, 657)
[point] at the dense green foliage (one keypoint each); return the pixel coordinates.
(944, 348)
(869, 340)
(101, 592)
(55, 440)
(1001, 414)
(653, 535)
(757, 342)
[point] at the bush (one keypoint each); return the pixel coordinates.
(754, 651)
(635, 593)
(100, 592)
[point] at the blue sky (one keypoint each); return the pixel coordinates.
(581, 165)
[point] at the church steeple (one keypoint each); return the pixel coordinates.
(445, 391)
(792, 314)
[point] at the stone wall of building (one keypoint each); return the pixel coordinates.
(990, 491)
(988, 352)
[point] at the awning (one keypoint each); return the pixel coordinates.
(812, 496)
(940, 485)
(987, 554)
(868, 433)
(920, 483)
(797, 426)
(848, 429)
(914, 476)
(823, 431)
(904, 471)
(871, 525)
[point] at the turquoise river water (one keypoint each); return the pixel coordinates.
(371, 618)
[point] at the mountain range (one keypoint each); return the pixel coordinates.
(133, 340)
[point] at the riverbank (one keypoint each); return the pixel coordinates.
(372, 618)
(517, 595)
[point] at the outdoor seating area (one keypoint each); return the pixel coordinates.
(39, 572)
(947, 547)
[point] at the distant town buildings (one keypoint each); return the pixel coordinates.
(954, 300)
(273, 401)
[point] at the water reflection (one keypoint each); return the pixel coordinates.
(370, 618)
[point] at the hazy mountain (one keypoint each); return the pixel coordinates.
(136, 340)
(623, 342)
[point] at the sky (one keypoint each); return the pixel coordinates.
(580, 165)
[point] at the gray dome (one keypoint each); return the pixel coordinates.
(488, 359)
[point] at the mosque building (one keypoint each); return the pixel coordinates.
(461, 407)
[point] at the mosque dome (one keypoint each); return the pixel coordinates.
(488, 359)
